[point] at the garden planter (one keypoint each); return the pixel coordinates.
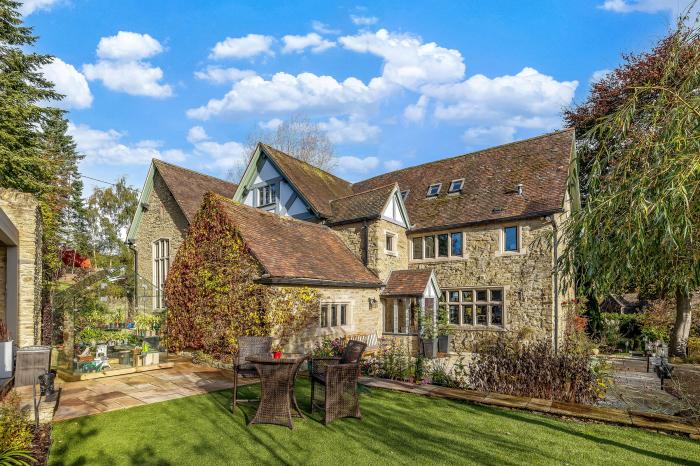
(430, 348)
(5, 359)
(444, 343)
(151, 358)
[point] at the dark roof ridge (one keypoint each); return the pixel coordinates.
(304, 162)
(500, 146)
(277, 216)
(155, 161)
(366, 191)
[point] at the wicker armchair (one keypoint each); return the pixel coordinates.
(339, 377)
(247, 346)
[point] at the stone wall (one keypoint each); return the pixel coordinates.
(163, 219)
(526, 277)
(23, 210)
(3, 283)
(378, 261)
(364, 319)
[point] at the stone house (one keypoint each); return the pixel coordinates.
(168, 203)
(474, 235)
(20, 266)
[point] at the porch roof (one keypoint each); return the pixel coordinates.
(407, 282)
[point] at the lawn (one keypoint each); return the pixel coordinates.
(396, 428)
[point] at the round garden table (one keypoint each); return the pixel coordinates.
(276, 388)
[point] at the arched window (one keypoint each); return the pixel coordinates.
(161, 264)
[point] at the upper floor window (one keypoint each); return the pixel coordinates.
(434, 189)
(161, 264)
(333, 315)
(456, 185)
(390, 242)
(266, 195)
(511, 239)
(442, 245)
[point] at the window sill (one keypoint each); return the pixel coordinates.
(477, 328)
(391, 253)
(511, 253)
(438, 259)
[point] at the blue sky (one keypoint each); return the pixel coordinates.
(393, 83)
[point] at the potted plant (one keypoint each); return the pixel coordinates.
(444, 330)
(5, 352)
(428, 334)
(277, 351)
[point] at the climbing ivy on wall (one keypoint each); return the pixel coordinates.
(212, 295)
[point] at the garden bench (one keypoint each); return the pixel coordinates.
(371, 340)
(664, 370)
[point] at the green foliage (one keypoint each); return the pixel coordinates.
(212, 295)
(392, 362)
(328, 347)
(15, 431)
(16, 458)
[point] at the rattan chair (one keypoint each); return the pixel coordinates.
(338, 376)
(247, 346)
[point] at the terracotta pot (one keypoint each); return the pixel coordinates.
(277, 354)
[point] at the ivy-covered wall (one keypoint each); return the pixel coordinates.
(212, 296)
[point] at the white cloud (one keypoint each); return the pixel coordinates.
(105, 147)
(30, 6)
(69, 82)
(488, 136)
(416, 112)
(363, 20)
(598, 75)
(311, 40)
(407, 60)
(285, 93)
(128, 46)
(528, 99)
(242, 47)
(392, 165)
(675, 7)
(135, 78)
(271, 125)
(220, 75)
(352, 130)
(196, 134)
(121, 66)
(355, 165)
(322, 28)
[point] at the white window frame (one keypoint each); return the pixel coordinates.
(489, 302)
(263, 192)
(395, 317)
(438, 258)
(439, 187)
(329, 314)
(160, 262)
(461, 185)
(394, 242)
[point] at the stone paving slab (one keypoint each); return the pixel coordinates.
(646, 420)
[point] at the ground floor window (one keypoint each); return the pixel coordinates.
(333, 315)
(475, 306)
(161, 264)
(401, 315)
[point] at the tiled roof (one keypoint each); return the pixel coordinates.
(317, 186)
(361, 206)
(491, 176)
(188, 187)
(290, 249)
(407, 282)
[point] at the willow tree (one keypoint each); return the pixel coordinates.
(639, 224)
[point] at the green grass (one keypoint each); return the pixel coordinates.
(396, 428)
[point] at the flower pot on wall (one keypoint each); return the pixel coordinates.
(444, 343)
(430, 347)
(5, 359)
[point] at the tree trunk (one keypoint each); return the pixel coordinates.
(681, 328)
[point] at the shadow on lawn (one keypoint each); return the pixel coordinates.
(396, 428)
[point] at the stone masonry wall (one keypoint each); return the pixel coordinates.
(163, 219)
(3, 283)
(378, 261)
(363, 318)
(526, 277)
(23, 210)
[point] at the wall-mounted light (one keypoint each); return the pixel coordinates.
(372, 302)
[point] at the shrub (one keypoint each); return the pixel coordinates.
(392, 362)
(328, 348)
(506, 365)
(15, 430)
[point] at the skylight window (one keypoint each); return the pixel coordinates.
(434, 189)
(456, 185)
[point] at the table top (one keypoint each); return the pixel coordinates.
(268, 358)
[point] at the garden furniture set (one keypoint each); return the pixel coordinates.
(337, 377)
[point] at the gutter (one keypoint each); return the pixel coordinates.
(544, 213)
(132, 248)
(315, 282)
(555, 279)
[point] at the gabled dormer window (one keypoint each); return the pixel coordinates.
(456, 185)
(266, 195)
(434, 189)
